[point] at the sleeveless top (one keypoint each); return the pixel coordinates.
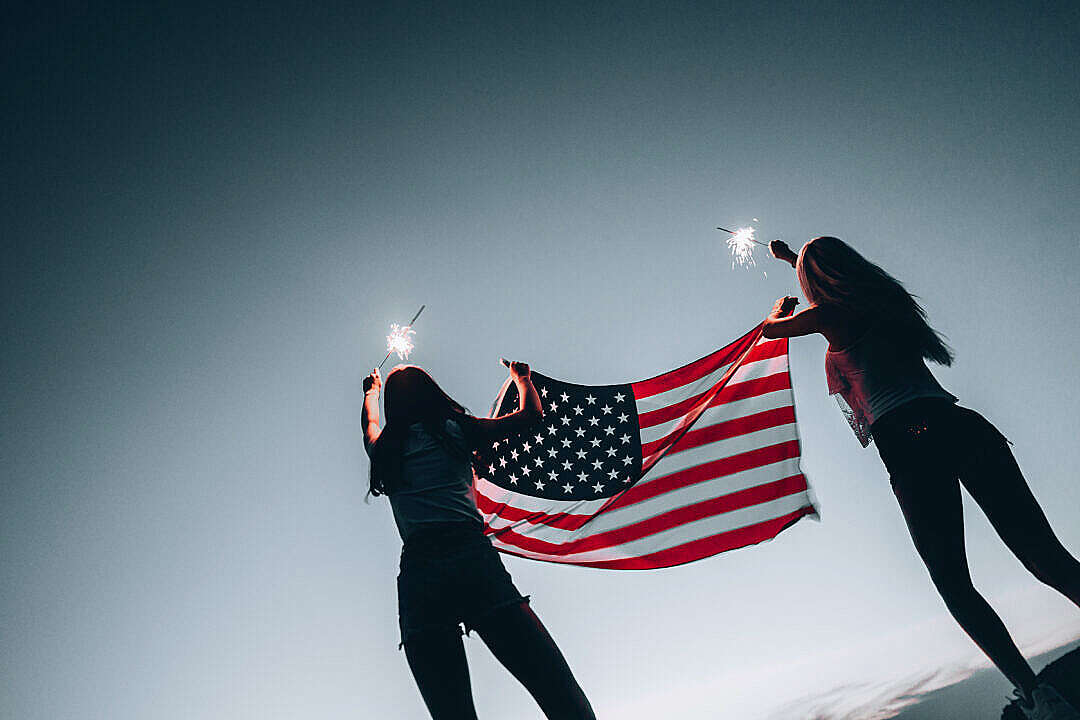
(872, 376)
(436, 480)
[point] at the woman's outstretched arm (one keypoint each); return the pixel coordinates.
(781, 251)
(781, 323)
(370, 416)
(529, 409)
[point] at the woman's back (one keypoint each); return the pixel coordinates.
(436, 479)
(876, 374)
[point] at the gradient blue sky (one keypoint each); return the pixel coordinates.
(212, 214)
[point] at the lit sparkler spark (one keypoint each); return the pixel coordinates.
(742, 244)
(399, 341)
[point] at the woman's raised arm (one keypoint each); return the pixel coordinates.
(529, 408)
(370, 416)
(781, 251)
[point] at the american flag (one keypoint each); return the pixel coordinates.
(650, 474)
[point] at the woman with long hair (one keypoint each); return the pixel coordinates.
(879, 342)
(450, 573)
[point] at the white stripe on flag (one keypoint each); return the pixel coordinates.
(681, 460)
(531, 503)
(679, 535)
(749, 371)
(726, 411)
(663, 503)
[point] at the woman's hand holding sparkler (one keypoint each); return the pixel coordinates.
(781, 251)
(373, 382)
(370, 415)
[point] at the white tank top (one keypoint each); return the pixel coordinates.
(873, 376)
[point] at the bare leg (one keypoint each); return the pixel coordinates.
(522, 644)
(935, 519)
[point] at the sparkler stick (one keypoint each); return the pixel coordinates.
(398, 340)
(751, 238)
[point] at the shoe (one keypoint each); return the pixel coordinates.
(1046, 703)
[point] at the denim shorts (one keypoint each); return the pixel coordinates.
(450, 574)
(932, 434)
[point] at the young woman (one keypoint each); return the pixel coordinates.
(879, 340)
(450, 573)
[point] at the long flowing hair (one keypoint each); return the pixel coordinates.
(831, 272)
(410, 396)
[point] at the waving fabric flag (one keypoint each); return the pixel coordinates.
(650, 474)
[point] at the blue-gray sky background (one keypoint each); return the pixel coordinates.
(212, 214)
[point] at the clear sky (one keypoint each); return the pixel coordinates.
(211, 215)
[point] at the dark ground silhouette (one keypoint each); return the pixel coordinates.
(1064, 674)
(986, 694)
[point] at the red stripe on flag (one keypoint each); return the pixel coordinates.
(723, 430)
(506, 511)
(658, 523)
(697, 369)
(736, 391)
(703, 548)
(708, 471)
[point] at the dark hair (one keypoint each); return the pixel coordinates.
(831, 272)
(410, 396)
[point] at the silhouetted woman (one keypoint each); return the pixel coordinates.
(450, 573)
(879, 340)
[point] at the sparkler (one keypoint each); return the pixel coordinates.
(399, 340)
(741, 243)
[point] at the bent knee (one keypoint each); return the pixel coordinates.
(955, 590)
(1052, 566)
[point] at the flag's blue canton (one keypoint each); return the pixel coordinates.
(586, 446)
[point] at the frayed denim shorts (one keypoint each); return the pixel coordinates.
(450, 575)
